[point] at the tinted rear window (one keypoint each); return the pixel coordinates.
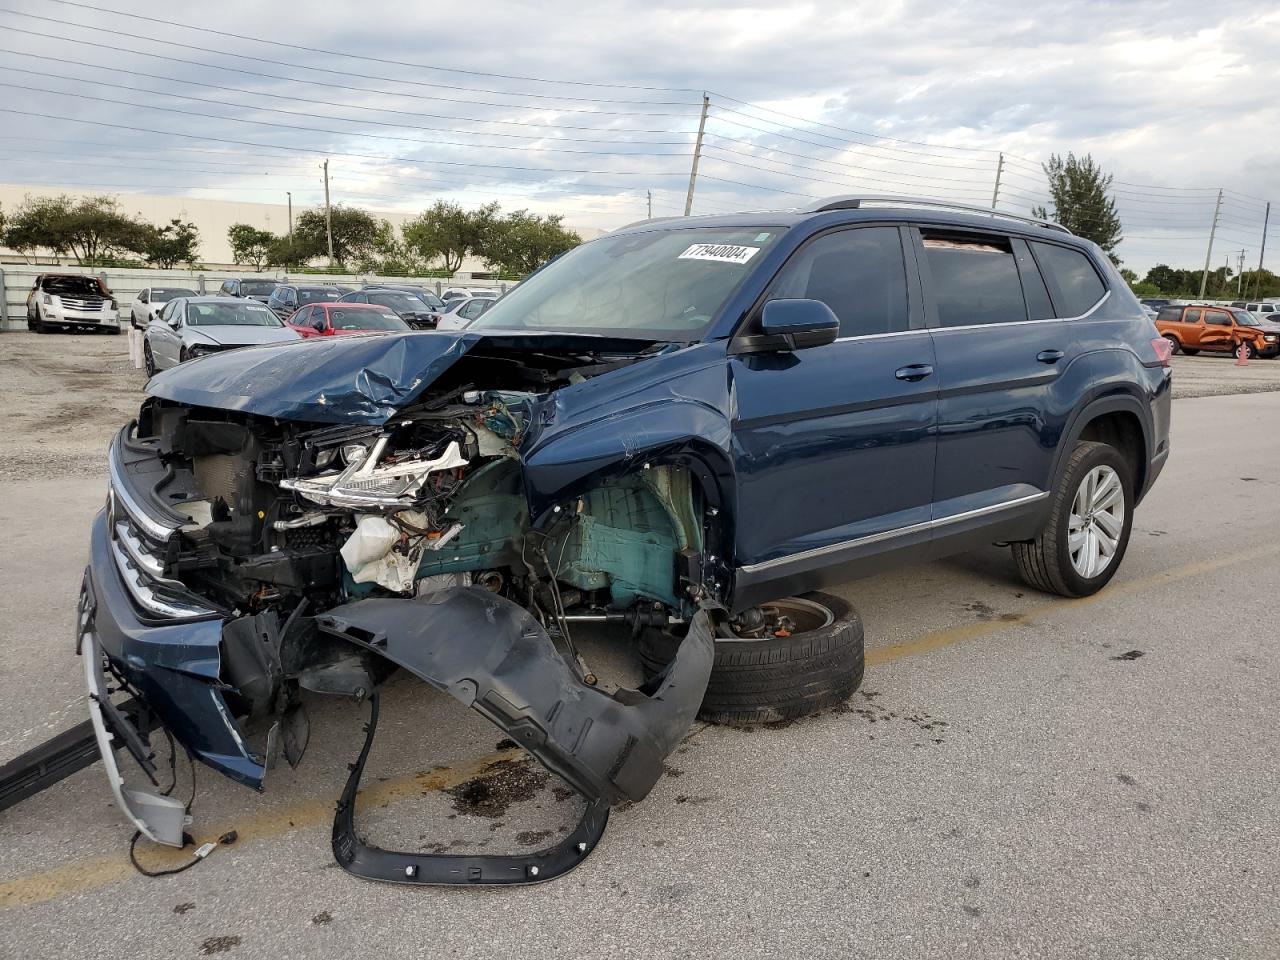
(1075, 284)
(974, 281)
(1170, 314)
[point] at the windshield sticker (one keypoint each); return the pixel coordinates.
(720, 252)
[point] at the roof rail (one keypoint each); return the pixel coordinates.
(853, 202)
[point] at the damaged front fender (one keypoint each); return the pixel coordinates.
(493, 656)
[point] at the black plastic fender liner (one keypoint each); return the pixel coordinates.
(374, 863)
(492, 655)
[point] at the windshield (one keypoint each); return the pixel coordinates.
(399, 300)
(1245, 318)
(257, 288)
(73, 286)
(317, 295)
(344, 319)
(659, 285)
(165, 294)
(231, 314)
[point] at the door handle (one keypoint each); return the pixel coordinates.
(1049, 356)
(913, 372)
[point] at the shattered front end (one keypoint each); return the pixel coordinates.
(244, 557)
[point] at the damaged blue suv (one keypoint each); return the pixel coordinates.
(689, 427)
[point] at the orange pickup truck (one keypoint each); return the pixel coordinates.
(1190, 329)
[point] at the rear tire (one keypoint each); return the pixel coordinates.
(775, 678)
(1046, 562)
(1173, 343)
(148, 360)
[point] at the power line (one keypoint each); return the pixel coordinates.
(844, 130)
(292, 113)
(846, 183)
(285, 126)
(333, 153)
(328, 103)
(826, 146)
(150, 54)
(837, 163)
(352, 56)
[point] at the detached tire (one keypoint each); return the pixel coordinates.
(776, 678)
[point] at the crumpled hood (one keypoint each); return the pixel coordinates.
(361, 380)
(320, 379)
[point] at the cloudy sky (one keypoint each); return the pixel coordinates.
(587, 112)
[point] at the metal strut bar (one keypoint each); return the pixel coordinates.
(374, 863)
(57, 758)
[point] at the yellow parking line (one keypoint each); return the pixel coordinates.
(87, 874)
(950, 636)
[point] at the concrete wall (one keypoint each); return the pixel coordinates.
(16, 282)
(212, 217)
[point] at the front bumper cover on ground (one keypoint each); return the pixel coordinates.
(480, 648)
(493, 656)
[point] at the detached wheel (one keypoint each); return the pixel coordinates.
(799, 656)
(1081, 546)
(1175, 346)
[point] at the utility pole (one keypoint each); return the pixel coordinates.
(289, 194)
(649, 195)
(697, 154)
(1240, 276)
(328, 215)
(1257, 280)
(995, 194)
(1204, 277)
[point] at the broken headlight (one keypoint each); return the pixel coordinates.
(381, 479)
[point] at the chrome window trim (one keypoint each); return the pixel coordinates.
(752, 568)
(977, 326)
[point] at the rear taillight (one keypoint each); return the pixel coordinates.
(1164, 350)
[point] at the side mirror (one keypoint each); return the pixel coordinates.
(787, 325)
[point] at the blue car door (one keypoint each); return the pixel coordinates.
(1010, 370)
(834, 445)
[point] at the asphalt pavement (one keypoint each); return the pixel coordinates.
(1020, 775)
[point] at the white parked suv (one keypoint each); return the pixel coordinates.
(71, 300)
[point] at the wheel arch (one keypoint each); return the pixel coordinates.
(1120, 421)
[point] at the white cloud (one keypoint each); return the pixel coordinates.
(1163, 94)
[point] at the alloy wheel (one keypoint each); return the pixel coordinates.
(1097, 522)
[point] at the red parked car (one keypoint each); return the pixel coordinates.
(328, 319)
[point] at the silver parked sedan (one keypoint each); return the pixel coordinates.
(190, 327)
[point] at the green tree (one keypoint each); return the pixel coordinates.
(249, 244)
(449, 232)
(520, 242)
(281, 252)
(1079, 190)
(176, 242)
(356, 235)
(91, 229)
